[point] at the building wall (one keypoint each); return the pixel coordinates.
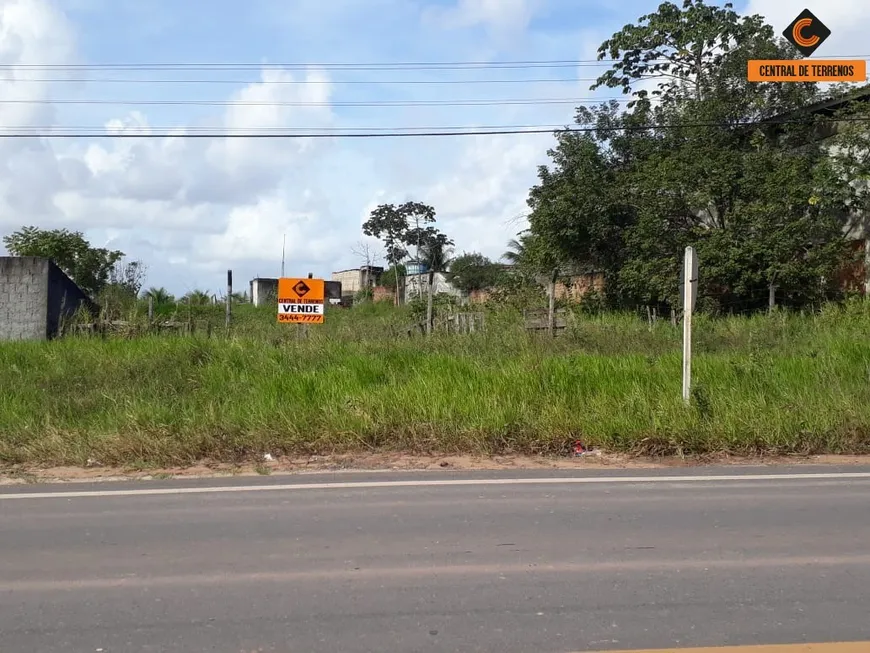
(23, 298)
(418, 284)
(852, 276)
(574, 290)
(65, 298)
(383, 294)
(264, 291)
(35, 297)
(350, 280)
(577, 286)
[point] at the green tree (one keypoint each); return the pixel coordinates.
(433, 249)
(197, 298)
(850, 154)
(628, 196)
(681, 45)
(515, 251)
(400, 227)
(392, 277)
(420, 234)
(473, 271)
(531, 253)
(90, 267)
(580, 209)
(128, 276)
(389, 223)
(161, 296)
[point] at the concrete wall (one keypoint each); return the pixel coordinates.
(417, 285)
(264, 291)
(23, 298)
(352, 281)
(383, 294)
(35, 296)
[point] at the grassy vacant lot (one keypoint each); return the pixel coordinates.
(772, 384)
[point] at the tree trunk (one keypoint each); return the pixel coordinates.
(429, 304)
(396, 270)
(771, 297)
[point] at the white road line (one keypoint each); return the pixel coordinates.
(366, 485)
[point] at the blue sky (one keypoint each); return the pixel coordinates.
(191, 209)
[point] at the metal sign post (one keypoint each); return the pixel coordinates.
(690, 296)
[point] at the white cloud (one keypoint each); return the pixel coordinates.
(502, 17)
(204, 202)
(31, 32)
(489, 188)
(192, 207)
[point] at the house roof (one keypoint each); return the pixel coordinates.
(827, 107)
(370, 268)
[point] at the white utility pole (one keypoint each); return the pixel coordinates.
(690, 294)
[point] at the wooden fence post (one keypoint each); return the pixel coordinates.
(229, 298)
(551, 309)
(429, 305)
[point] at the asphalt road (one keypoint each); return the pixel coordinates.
(485, 562)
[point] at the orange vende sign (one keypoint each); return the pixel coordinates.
(805, 70)
(301, 301)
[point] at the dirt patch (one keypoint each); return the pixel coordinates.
(399, 462)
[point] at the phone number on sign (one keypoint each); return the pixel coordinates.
(287, 317)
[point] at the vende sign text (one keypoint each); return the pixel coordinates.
(301, 309)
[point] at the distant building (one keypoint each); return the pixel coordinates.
(417, 285)
(265, 291)
(35, 298)
(414, 267)
(356, 279)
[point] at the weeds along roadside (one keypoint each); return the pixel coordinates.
(764, 384)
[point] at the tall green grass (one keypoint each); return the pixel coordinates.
(767, 384)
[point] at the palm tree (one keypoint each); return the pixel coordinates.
(197, 298)
(435, 251)
(160, 295)
(517, 248)
(437, 254)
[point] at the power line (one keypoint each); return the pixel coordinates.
(397, 66)
(431, 65)
(171, 131)
(395, 133)
(371, 103)
(336, 82)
